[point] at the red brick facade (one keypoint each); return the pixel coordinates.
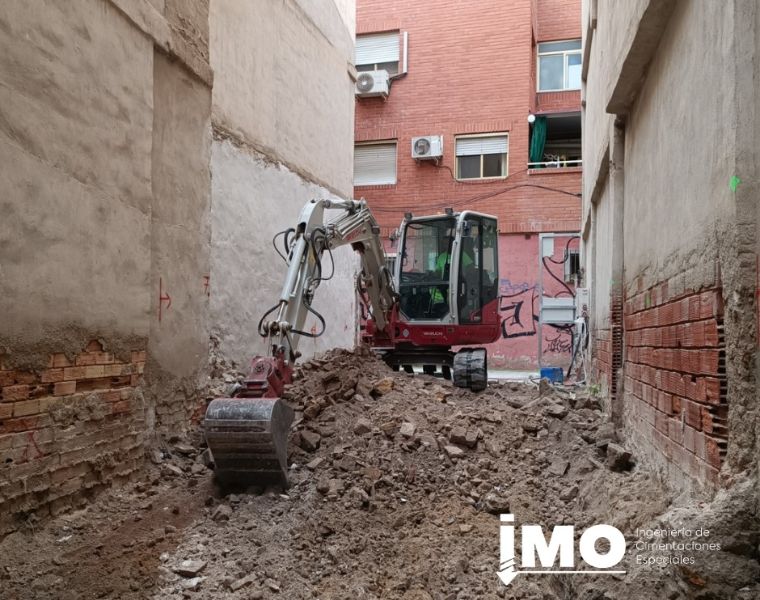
(67, 430)
(675, 377)
(471, 70)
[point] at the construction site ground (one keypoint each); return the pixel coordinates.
(396, 486)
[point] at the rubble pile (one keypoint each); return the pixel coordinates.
(397, 482)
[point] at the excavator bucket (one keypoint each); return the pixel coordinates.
(248, 439)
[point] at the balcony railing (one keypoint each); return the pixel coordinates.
(555, 164)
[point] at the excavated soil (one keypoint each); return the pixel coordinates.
(397, 483)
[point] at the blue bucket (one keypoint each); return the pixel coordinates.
(553, 374)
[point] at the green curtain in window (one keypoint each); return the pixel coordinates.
(538, 139)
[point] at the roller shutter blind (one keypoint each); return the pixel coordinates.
(377, 48)
(375, 164)
(496, 144)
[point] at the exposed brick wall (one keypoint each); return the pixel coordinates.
(67, 431)
(487, 85)
(601, 358)
(675, 377)
(558, 20)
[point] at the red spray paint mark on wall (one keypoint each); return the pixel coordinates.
(32, 442)
(163, 297)
(207, 285)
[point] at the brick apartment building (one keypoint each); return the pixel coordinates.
(494, 80)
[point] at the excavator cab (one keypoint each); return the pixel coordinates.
(448, 270)
(447, 279)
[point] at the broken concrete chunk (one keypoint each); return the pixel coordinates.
(221, 513)
(382, 386)
(242, 582)
(605, 434)
(310, 440)
(618, 458)
(184, 449)
(453, 451)
(495, 503)
(170, 470)
(362, 426)
(314, 463)
(558, 411)
(464, 437)
(558, 467)
(336, 487)
(568, 493)
(407, 429)
(189, 568)
(192, 584)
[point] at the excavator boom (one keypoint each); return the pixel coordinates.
(247, 431)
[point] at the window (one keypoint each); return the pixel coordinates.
(482, 157)
(556, 141)
(572, 265)
(377, 51)
(559, 66)
(375, 164)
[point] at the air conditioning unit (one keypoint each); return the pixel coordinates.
(371, 84)
(427, 147)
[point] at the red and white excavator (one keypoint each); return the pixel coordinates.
(446, 296)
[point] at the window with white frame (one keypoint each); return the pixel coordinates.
(375, 163)
(482, 156)
(559, 66)
(376, 51)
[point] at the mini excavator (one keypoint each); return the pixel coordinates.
(441, 293)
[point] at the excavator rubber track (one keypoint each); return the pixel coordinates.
(471, 369)
(248, 439)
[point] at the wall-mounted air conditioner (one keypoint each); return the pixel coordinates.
(371, 84)
(427, 147)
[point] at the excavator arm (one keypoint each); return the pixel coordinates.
(313, 238)
(247, 432)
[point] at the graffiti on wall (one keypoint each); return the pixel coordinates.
(559, 342)
(519, 319)
(507, 287)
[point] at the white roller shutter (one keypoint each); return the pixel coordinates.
(473, 146)
(375, 164)
(377, 48)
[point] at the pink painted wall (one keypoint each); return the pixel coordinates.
(520, 279)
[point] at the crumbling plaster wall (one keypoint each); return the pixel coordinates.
(277, 144)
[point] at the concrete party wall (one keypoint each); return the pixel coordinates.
(253, 199)
(104, 193)
(289, 93)
(76, 179)
(283, 122)
(180, 244)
